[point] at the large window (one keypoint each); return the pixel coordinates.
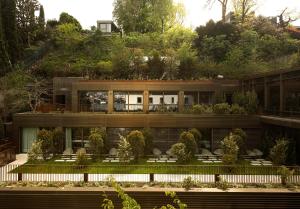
(128, 101)
(163, 101)
(105, 27)
(197, 97)
(93, 101)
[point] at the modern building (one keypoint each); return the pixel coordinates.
(107, 26)
(123, 105)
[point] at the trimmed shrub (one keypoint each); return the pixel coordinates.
(238, 110)
(231, 149)
(222, 108)
(124, 150)
(240, 137)
(81, 160)
(198, 109)
(285, 173)
(58, 140)
(188, 183)
(35, 151)
(46, 138)
(180, 151)
(252, 102)
(96, 143)
(148, 135)
(197, 135)
(278, 152)
(188, 139)
(137, 142)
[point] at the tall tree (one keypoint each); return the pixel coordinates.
(65, 18)
(9, 30)
(147, 15)
(4, 59)
(243, 9)
(41, 19)
(26, 20)
(224, 4)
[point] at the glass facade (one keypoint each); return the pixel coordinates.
(128, 101)
(93, 101)
(197, 97)
(163, 101)
(29, 135)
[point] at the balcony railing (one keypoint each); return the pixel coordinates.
(121, 107)
(163, 108)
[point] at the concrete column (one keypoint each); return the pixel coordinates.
(281, 83)
(75, 101)
(110, 106)
(181, 101)
(146, 102)
(266, 94)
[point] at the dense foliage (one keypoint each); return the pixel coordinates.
(278, 152)
(137, 142)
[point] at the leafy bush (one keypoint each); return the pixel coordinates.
(198, 109)
(188, 183)
(222, 108)
(238, 110)
(248, 101)
(58, 140)
(137, 142)
(188, 139)
(81, 160)
(96, 143)
(148, 135)
(197, 134)
(285, 173)
(240, 137)
(278, 152)
(124, 150)
(252, 102)
(35, 151)
(46, 138)
(230, 148)
(180, 151)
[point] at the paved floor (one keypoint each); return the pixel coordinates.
(20, 159)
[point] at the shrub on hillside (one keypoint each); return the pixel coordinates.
(222, 108)
(137, 142)
(188, 139)
(278, 152)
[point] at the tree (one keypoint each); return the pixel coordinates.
(147, 15)
(96, 143)
(137, 142)
(148, 135)
(223, 3)
(41, 23)
(243, 9)
(278, 152)
(58, 136)
(231, 149)
(35, 92)
(65, 18)
(26, 20)
(10, 46)
(285, 18)
(124, 150)
(36, 151)
(4, 57)
(188, 139)
(46, 138)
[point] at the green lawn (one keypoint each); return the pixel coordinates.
(142, 167)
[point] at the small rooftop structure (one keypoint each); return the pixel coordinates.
(107, 26)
